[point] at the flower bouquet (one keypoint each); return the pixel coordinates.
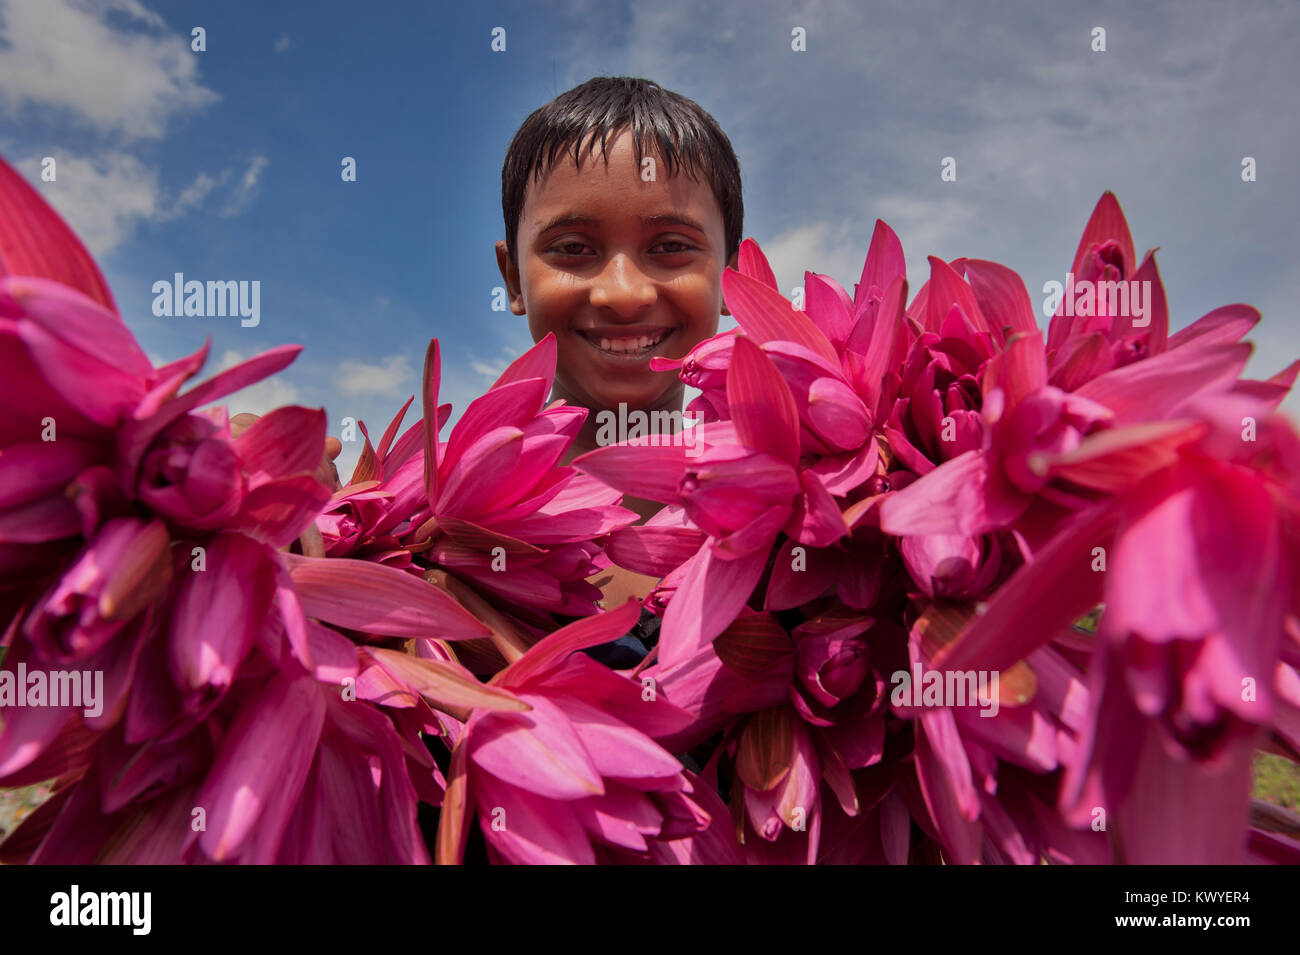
(933, 587)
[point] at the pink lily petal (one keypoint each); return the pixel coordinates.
(961, 496)
(754, 263)
(1170, 798)
(552, 650)
(1038, 600)
(1019, 370)
(333, 656)
(34, 240)
(443, 682)
(216, 614)
(535, 833)
(1149, 390)
(1117, 458)
(945, 777)
(762, 407)
(885, 264)
(883, 350)
(711, 594)
(136, 435)
(1157, 309)
(485, 464)
(829, 306)
(509, 405)
(429, 398)
(622, 817)
(583, 678)
(1002, 298)
(621, 753)
(386, 442)
(1081, 359)
(1224, 325)
(788, 587)
(539, 751)
(1106, 224)
(283, 442)
(765, 315)
(948, 291)
(817, 520)
(654, 550)
(260, 769)
(278, 511)
(757, 535)
(32, 470)
(102, 379)
(365, 596)
(645, 471)
(537, 362)
(296, 622)
(46, 519)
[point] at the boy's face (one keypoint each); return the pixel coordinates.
(621, 270)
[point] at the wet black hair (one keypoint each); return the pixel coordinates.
(677, 129)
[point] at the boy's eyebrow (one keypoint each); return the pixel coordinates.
(667, 218)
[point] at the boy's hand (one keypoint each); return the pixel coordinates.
(327, 473)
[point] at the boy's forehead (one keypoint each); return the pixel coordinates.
(619, 187)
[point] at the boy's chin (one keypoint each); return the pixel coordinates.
(634, 401)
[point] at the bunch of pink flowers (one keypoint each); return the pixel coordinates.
(888, 489)
(890, 500)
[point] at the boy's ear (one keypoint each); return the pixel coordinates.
(733, 264)
(510, 273)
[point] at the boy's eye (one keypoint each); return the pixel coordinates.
(681, 246)
(570, 248)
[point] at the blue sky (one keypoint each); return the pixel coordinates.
(225, 164)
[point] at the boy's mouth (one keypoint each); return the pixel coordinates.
(631, 344)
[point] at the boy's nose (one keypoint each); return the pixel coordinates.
(622, 287)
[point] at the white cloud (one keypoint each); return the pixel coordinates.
(193, 195)
(819, 247)
(259, 398)
(282, 43)
(390, 377)
(491, 369)
(103, 198)
(106, 196)
(243, 193)
(65, 55)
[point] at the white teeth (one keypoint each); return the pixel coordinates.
(626, 345)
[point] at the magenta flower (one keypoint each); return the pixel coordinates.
(742, 493)
(577, 777)
(883, 490)
(1197, 554)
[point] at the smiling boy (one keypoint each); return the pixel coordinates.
(620, 251)
(622, 205)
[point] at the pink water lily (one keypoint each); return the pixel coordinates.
(741, 494)
(577, 776)
(491, 503)
(1183, 676)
